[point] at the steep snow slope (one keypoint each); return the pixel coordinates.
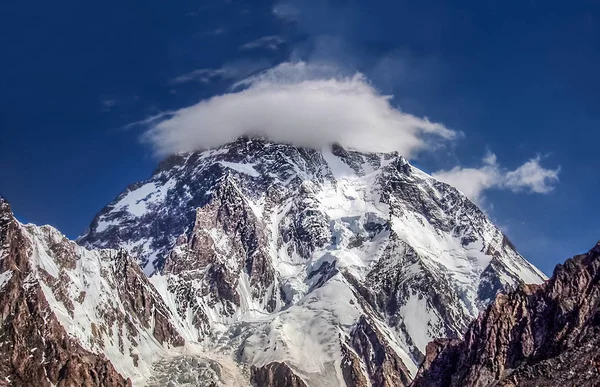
(342, 265)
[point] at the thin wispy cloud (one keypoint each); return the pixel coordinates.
(232, 71)
(307, 105)
(217, 31)
(202, 75)
(108, 104)
(150, 120)
(531, 177)
(272, 42)
(286, 11)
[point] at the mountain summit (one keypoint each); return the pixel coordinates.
(322, 267)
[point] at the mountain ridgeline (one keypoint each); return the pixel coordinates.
(264, 264)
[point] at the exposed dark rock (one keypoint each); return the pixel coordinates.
(384, 366)
(34, 348)
(275, 375)
(537, 335)
(141, 300)
(352, 369)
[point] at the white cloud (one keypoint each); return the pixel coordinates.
(530, 177)
(473, 181)
(271, 42)
(307, 105)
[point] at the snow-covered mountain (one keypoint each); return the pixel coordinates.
(300, 266)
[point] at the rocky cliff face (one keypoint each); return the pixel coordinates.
(332, 265)
(276, 375)
(34, 348)
(537, 335)
(72, 316)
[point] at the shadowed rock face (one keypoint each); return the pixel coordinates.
(35, 350)
(276, 375)
(384, 366)
(537, 335)
(140, 299)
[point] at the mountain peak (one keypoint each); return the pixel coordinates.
(4, 206)
(6, 214)
(255, 236)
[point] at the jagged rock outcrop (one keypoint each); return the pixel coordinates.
(139, 298)
(227, 239)
(353, 370)
(34, 347)
(276, 374)
(537, 335)
(71, 316)
(384, 366)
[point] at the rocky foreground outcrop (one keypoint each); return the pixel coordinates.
(74, 317)
(537, 335)
(34, 348)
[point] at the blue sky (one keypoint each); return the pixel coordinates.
(517, 79)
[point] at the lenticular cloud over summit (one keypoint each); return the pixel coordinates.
(301, 104)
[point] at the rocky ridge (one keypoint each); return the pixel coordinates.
(35, 349)
(537, 335)
(73, 316)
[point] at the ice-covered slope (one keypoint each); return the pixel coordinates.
(339, 265)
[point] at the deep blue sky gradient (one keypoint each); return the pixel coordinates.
(518, 78)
